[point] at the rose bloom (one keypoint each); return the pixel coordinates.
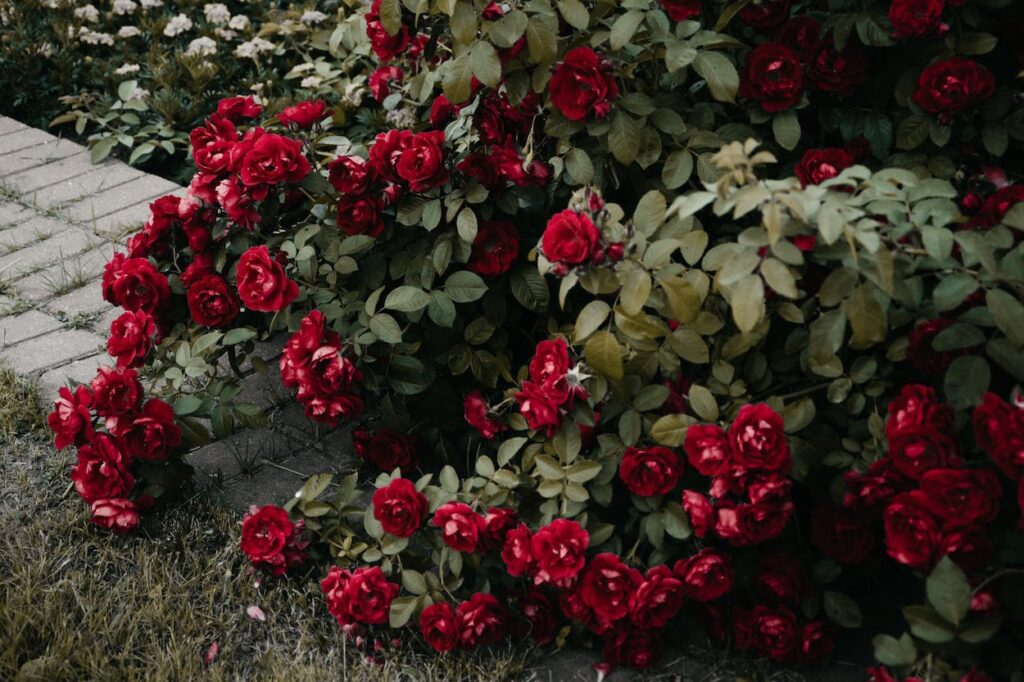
(273, 160)
(912, 534)
(746, 524)
(570, 238)
(999, 431)
(238, 203)
(915, 18)
(150, 435)
(657, 600)
(540, 406)
(131, 338)
(71, 420)
(269, 539)
(841, 534)
(758, 441)
(134, 284)
(818, 165)
(650, 471)
(919, 349)
(360, 215)
(916, 450)
(349, 175)
(379, 82)
(773, 632)
(773, 76)
(237, 109)
(582, 85)
(541, 618)
(116, 391)
(952, 86)
(212, 302)
(838, 73)
(707, 448)
(559, 549)
(482, 621)
(212, 143)
(262, 282)
(495, 248)
(495, 525)
(399, 507)
(816, 642)
(476, 411)
(803, 34)
(969, 546)
(517, 552)
(680, 10)
(386, 449)
(460, 526)
(304, 114)
(384, 45)
(706, 576)
(118, 515)
(962, 497)
(765, 14)
(780, 578)
(606, 587)
(550, 361)
(439, 626)
(386, 151)
(368, 596)
(917, 406)
(699, 511)
(421, 161)
(632, 648)
(102, 469)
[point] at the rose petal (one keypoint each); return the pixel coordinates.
(256, 613)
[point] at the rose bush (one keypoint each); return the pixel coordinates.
(609, 366)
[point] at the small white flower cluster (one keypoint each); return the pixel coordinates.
(177, 25)
(87, 13)
(90, 37)
(217, 13)
(311, 82)
(128, 32)
(126, 69)
(202, 47)
(123, 7)
(138, 93)
(152, 4)
(311, 17)
(401, 118)
(239, 22)
(253, 48)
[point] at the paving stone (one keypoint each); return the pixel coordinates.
(87, 299)
(55, 349)
(264, 389)
(26, 138)
(11, 214)
(83, 186)
(111, 200)
(102, 324)
(9, 125)
(42, 285)
(30, 231)
(65, 245)
(20, 327)
(292, 419)
(60, 171)
(30, 157)
(241, 454)
(121, 222)
(78, 372)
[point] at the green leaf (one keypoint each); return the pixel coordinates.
(386, 328)
(842, 610)
(650, 212)
(591, 317)
(623, 136)
(579, 166)
(485, 63)
(402, 610)
(948, 591)
(966, 381)
(703, 403)
(408, 299)
(624, 28)
(678, 55)
(464, 286)
(927, 625)
(1008, 314)
(463, 23)
(238, 335)
(976, 43)
(747, 302)
(101, 149)
(604, 355)
(466, 224)
(678, 168)
(457, 78)
(542, 38)
(529, 288)
(675, 521)
(187, 404)
(635, 291)
(912, 132)
(507, 30)
(952, 289)
(391, 16)
(895, 652)
(720, 74)
(670, 430)
(786, 128)
(575, 14)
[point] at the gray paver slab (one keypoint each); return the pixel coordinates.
(78, 372)
(67, 244)
(87, 299)
(26, 138)
(124, 221)
(82, 186)
(30, 231)
(55, 349)
(35, 178)
(12, 214)
(64, 273)
(25, 326)
(122, 196)
(30, 157)
(9, 125)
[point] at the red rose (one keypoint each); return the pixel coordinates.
(262, 282)
(758, 441)
(102, 469)
(211, 144)
(841, 535)
(999, 431)
(273, 160)
(916, 18)
(698, 511)
(513, 167)
(632, 648)
(380, 82)
(540, 406)
(541, 618)
(482, 621)
(916, 407)
(118, 515)
(360, 215)
(961, 497)
(385, 45)
(816, 642)
(238, 203)
(751, 524)
(270, 539)
(773, 76)
(650, 471)
(476, 411)
(681, 10)
(327, 380)
(496, 524)
(657, 600)
(706, 576)
(131, 338)
(421, 162)
(71, 420)
(765, 14)
(606, 587)
(460, 526)
(237, 109)
(559, 549)
(116, 392)
(399, 507)
(916, 450)
(304, 114)
(780, 578)
(998, 204)
(818, 165)
(707, 449)
(951, 86)
(550, 361)
(386, 449)
(386, 151)
(912, 534)
(970, 547)
(211, 302)
(773, 632)
(920, 351)
(439, 626)
(803, 34)
(333, 586)
(368, 596)
(570, 238)
(495, 248)
(517, 553)
(838, 73)
(582, 85)
(349, 175)
(149, 435)
(134, 284)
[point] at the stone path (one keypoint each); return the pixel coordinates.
(61, 219)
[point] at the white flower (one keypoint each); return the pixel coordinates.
(250, 49)
(312, 16)
(45, 49)
(125, 69)
(177, 25)
(150, 4)
(128, 32)
(122, 7)
(137, 93)
(401, 118)
(202, 46)
(88, 13)
(225, 33)
(95, 37)
(311, 82)
(239, 22)
(217, 13)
